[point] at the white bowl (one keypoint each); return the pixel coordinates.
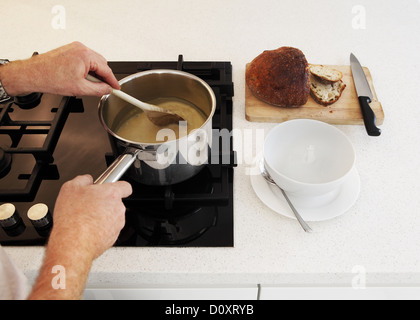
(308, 157)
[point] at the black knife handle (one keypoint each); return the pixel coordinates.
(369, 117)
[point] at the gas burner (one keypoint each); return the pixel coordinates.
(178, 214)
(5, 163)
(29, 101)
(170, 201)
(145, 229)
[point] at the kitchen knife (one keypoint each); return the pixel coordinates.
(365, 96)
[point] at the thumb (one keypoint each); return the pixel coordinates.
(124, 188)
(84, 180)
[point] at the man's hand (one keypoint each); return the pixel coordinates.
(92, 214)
(87, 221)
(61, 71)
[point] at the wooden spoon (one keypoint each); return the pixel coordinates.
(157, 115)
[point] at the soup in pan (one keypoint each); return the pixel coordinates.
(140, 129)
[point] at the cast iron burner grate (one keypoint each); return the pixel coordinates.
(17, 130)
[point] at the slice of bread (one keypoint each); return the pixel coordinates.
(326, 93)
(325, 74)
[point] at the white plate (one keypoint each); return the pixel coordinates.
(318, 208)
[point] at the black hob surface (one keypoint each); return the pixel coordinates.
(46, 140)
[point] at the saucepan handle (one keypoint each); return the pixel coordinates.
(117, 169)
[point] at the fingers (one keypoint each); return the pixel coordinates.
(106, 74)
(102, 71)
(96, 89)
(123, 188)
(99, 66)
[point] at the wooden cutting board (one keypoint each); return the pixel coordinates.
(345, 111)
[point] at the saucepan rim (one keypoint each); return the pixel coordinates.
(131, 77)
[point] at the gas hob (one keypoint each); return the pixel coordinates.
(46, 140)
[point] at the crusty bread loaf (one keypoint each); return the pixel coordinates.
(280, 77)
(326, 93)
(325, 74)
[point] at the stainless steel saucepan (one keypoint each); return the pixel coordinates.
(161, 163)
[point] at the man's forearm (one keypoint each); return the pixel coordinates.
(64, 272)
(19, 77)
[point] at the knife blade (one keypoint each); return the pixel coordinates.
(365, 96)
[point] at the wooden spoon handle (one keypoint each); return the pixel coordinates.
(140, 104)
(126, 97)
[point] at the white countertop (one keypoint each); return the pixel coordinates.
(379, 234)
